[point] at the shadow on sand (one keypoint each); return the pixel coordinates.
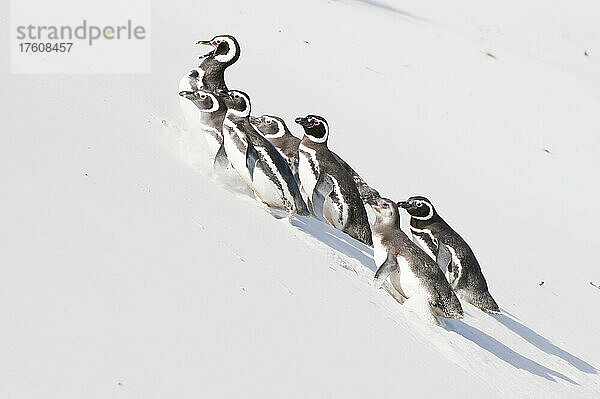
(336, 240)
(543, 344)
(503, 352)
(345, 244)
(388, 7)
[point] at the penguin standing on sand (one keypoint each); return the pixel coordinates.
(330, 188)
(213, 109)
(277, 132)
(452, 253)
(210, 76)
(259, 164)
(411, 271)
(274, 129)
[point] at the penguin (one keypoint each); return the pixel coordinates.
(256, 160)
(209, 75)
(451, 252)
(411, 271)
(274, 129)
(214, 109)
(332, 192)
(277, 132)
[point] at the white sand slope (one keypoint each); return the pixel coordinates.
(124, 273)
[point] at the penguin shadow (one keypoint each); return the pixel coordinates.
(336, 240)
(503, 352)
(392, 9)
(543, 343)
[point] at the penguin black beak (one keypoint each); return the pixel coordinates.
(403, 204)
(186, 93)
(206, 42)
(301, 121)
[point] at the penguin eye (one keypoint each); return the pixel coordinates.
(268, 121)
(419, 204)
(385, 206)
(218, 41)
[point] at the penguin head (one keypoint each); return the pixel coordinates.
(315, 128)
(386, 212)
(238, 103)
(418, 207)
(270, 126)
(226, 49)
(204, 99)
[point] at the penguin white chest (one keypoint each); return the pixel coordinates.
(420, 241)
(213, 138)
(268, 183)
(410, 283)
(235, 143)
(306, 159)
(379, 251)
(336, 212)
(453, 276)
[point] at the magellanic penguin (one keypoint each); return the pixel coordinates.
(209, 75)
(452, 253)
(332, 192)
(274, 129)
(259, 164)
(214, 109)
(277, 132)
(412, 272)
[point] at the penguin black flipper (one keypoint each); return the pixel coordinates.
(323, 188)
(221, 161)
(252, 158)
(443, 257)
(390, 265)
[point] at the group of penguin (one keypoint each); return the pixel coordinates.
(303, 176)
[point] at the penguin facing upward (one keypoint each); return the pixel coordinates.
(209, 75)
(277, 132)
(332, 192)
(212, 123)
(451, 252)
(259, 164)
(412, 272)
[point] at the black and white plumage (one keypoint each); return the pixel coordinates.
(256, 160)
(277, 132)
(274, 129)
(333, 194)
(213, 109)
(411, 271)
(452, 253)
(210, 76)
